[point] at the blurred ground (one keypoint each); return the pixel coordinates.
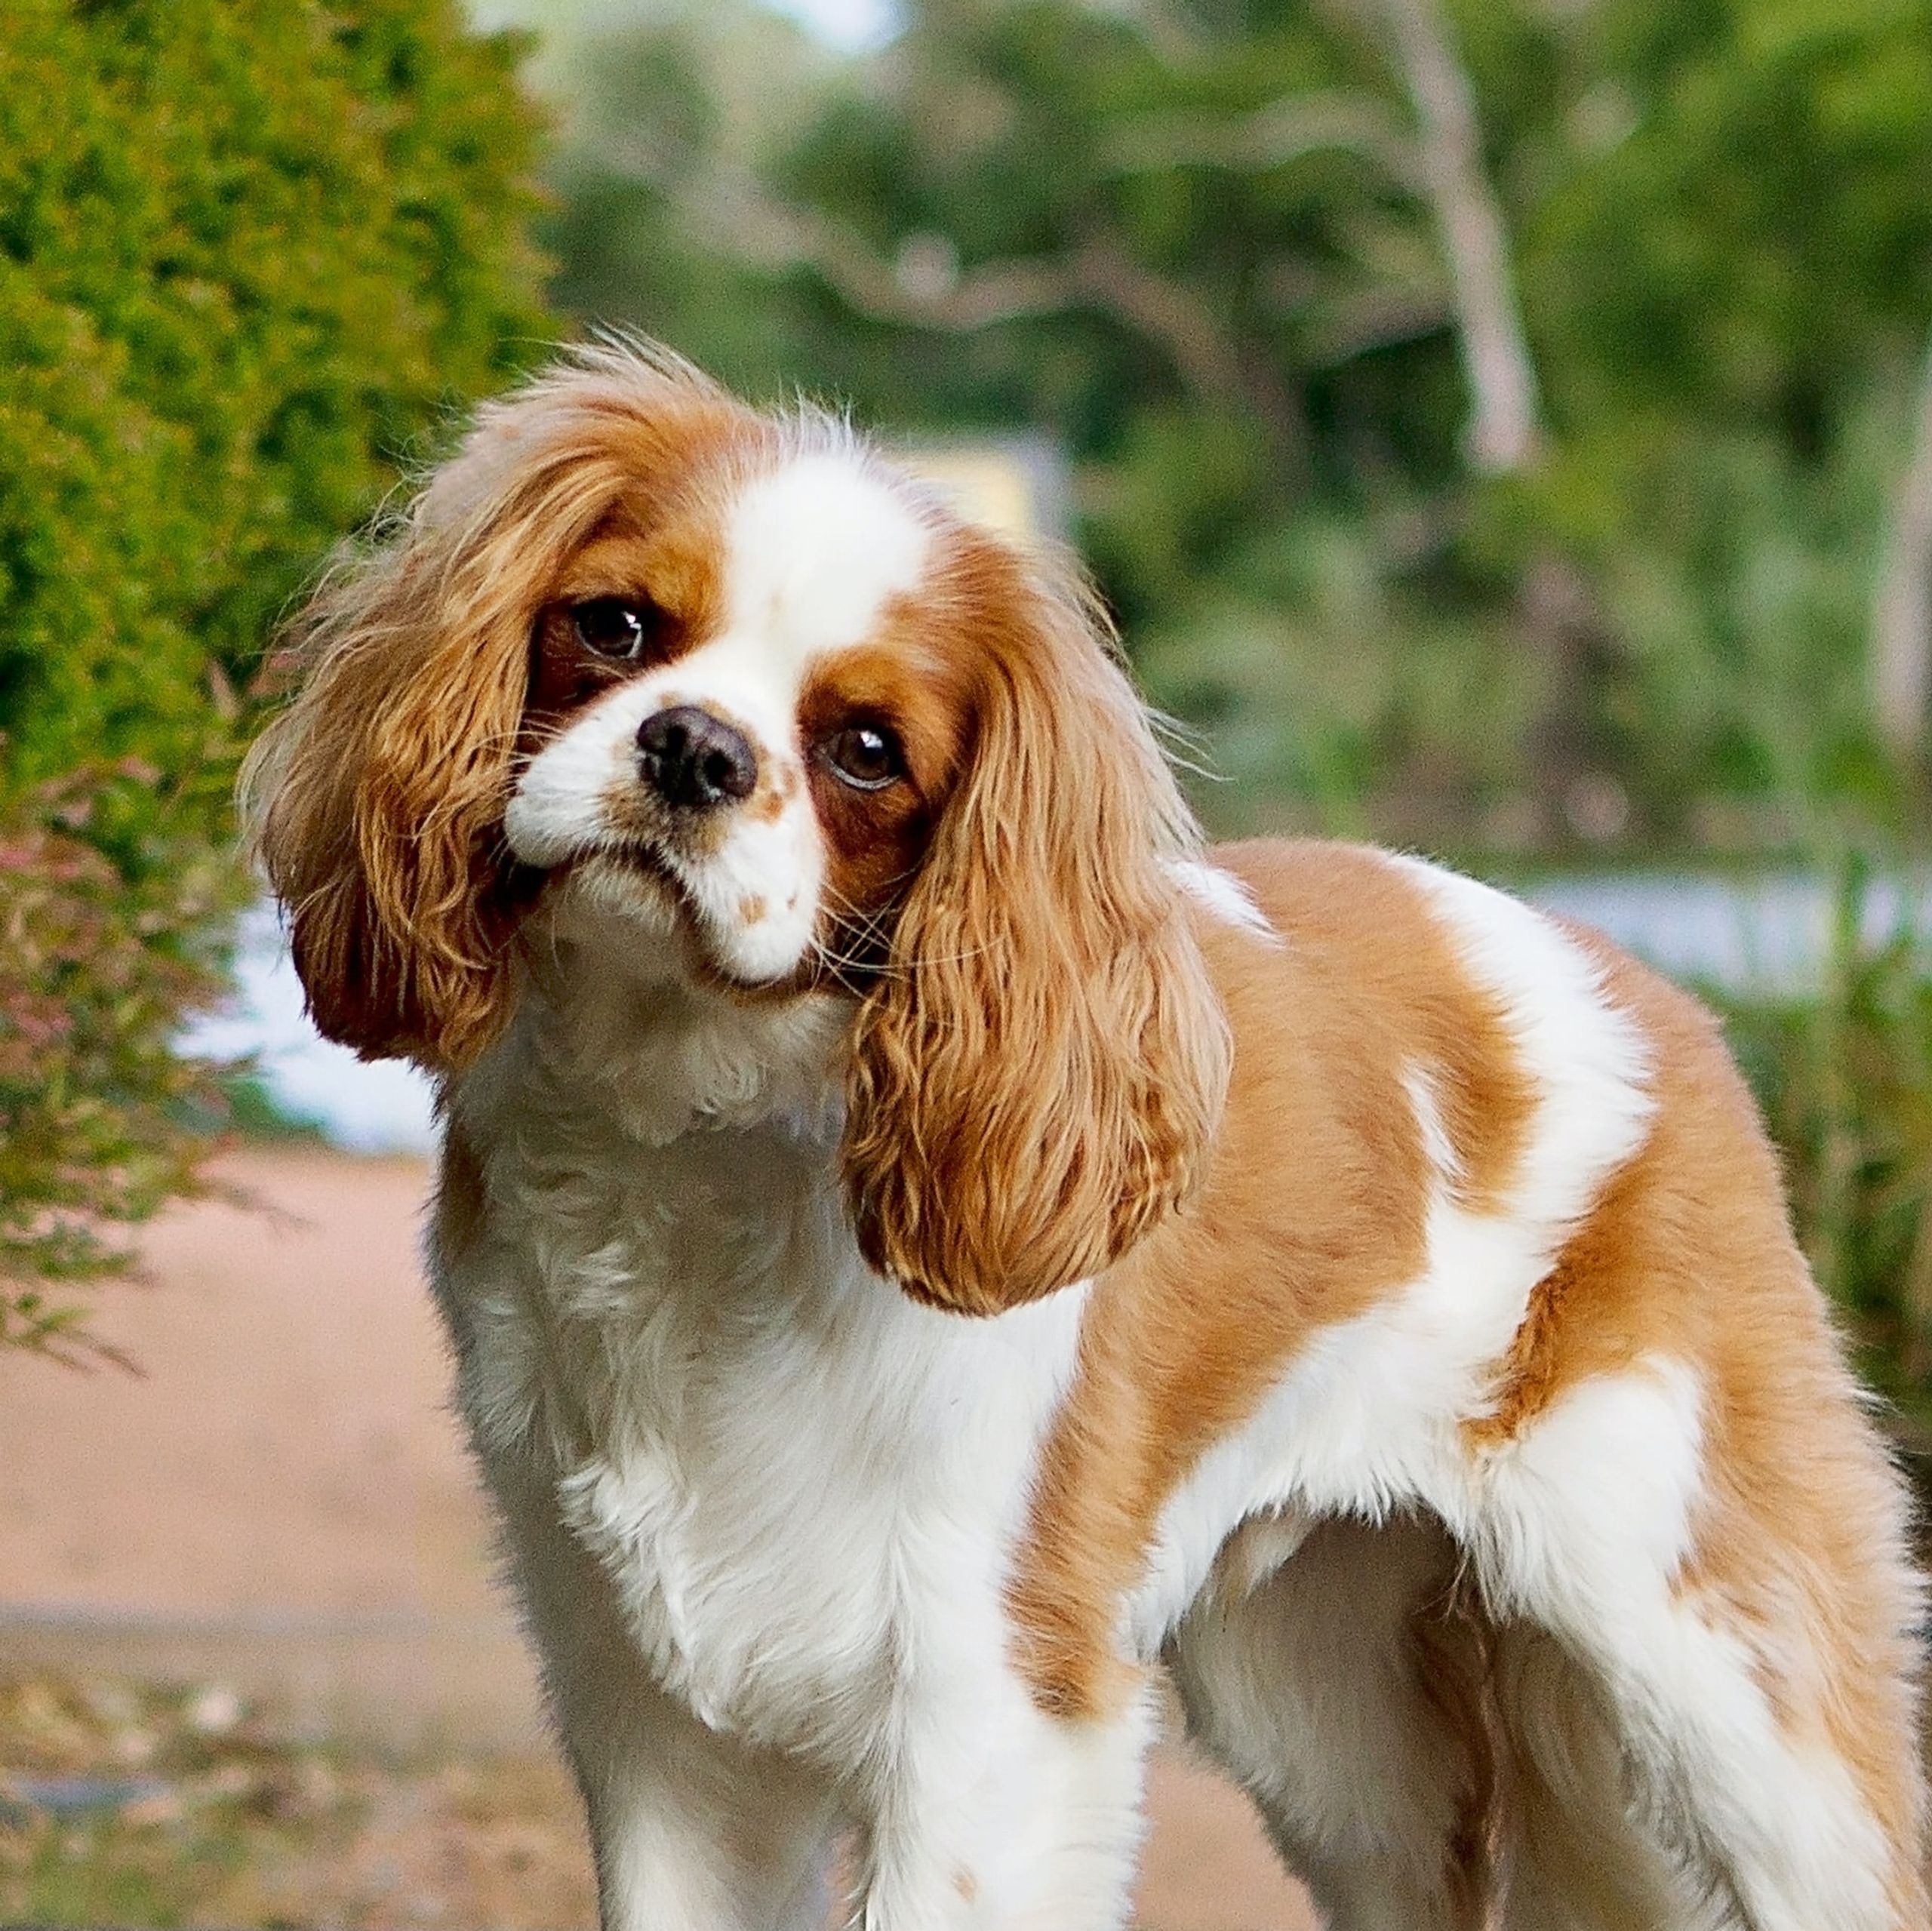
(278, 1516)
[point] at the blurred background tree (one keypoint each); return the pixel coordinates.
(252, 251)
(1492, 423)
(1503, 426)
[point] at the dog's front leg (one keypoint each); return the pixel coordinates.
(692, 1830)
(1001, 1818)
(692, 1833)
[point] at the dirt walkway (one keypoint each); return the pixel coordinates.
(280, 1503)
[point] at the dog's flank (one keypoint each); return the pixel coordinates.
(924, 1242)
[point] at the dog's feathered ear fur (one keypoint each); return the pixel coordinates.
(375, 801)
(1040, 1067)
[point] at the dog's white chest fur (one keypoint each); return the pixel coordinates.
(791, 1476)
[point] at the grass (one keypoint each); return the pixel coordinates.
(213, 1812)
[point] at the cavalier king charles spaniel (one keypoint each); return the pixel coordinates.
(927, 1243)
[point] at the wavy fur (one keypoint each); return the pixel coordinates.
(375, 801)
(1482, 1298)
(1036, 1076)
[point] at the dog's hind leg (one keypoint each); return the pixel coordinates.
(1745, 1632)
(1345, 1695)
(1575, 1854)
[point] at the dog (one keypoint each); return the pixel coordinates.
(926, 1243)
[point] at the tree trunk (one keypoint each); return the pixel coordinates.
(1902, 617)
(1504, 428)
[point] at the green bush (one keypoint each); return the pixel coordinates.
(252, 252)
(250, 249)
(96, 972)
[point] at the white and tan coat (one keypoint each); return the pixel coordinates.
(924, 1242)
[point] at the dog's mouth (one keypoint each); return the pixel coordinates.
(639, 882)
(640, 860)
(630, 870)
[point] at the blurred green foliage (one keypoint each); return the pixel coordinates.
(1844, 1075)
(1194, 239)
(252, 253)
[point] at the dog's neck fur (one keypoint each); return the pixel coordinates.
(667, 1326)
(615, 1034)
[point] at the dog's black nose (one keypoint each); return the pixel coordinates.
(693, 760)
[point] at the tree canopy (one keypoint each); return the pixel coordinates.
(1486, 418)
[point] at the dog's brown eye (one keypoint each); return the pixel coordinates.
(615, 626)
(865, 756)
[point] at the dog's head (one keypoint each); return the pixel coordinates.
(791, 727)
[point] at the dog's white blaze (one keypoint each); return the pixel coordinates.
(815, 550)
(755, 897)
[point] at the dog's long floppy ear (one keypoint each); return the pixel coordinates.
(375, 801)
(1040, 1066)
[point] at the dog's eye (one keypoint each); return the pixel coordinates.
(865, 756)
(616, 626)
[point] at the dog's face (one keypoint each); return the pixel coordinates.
(788, 727)
(748, 702)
